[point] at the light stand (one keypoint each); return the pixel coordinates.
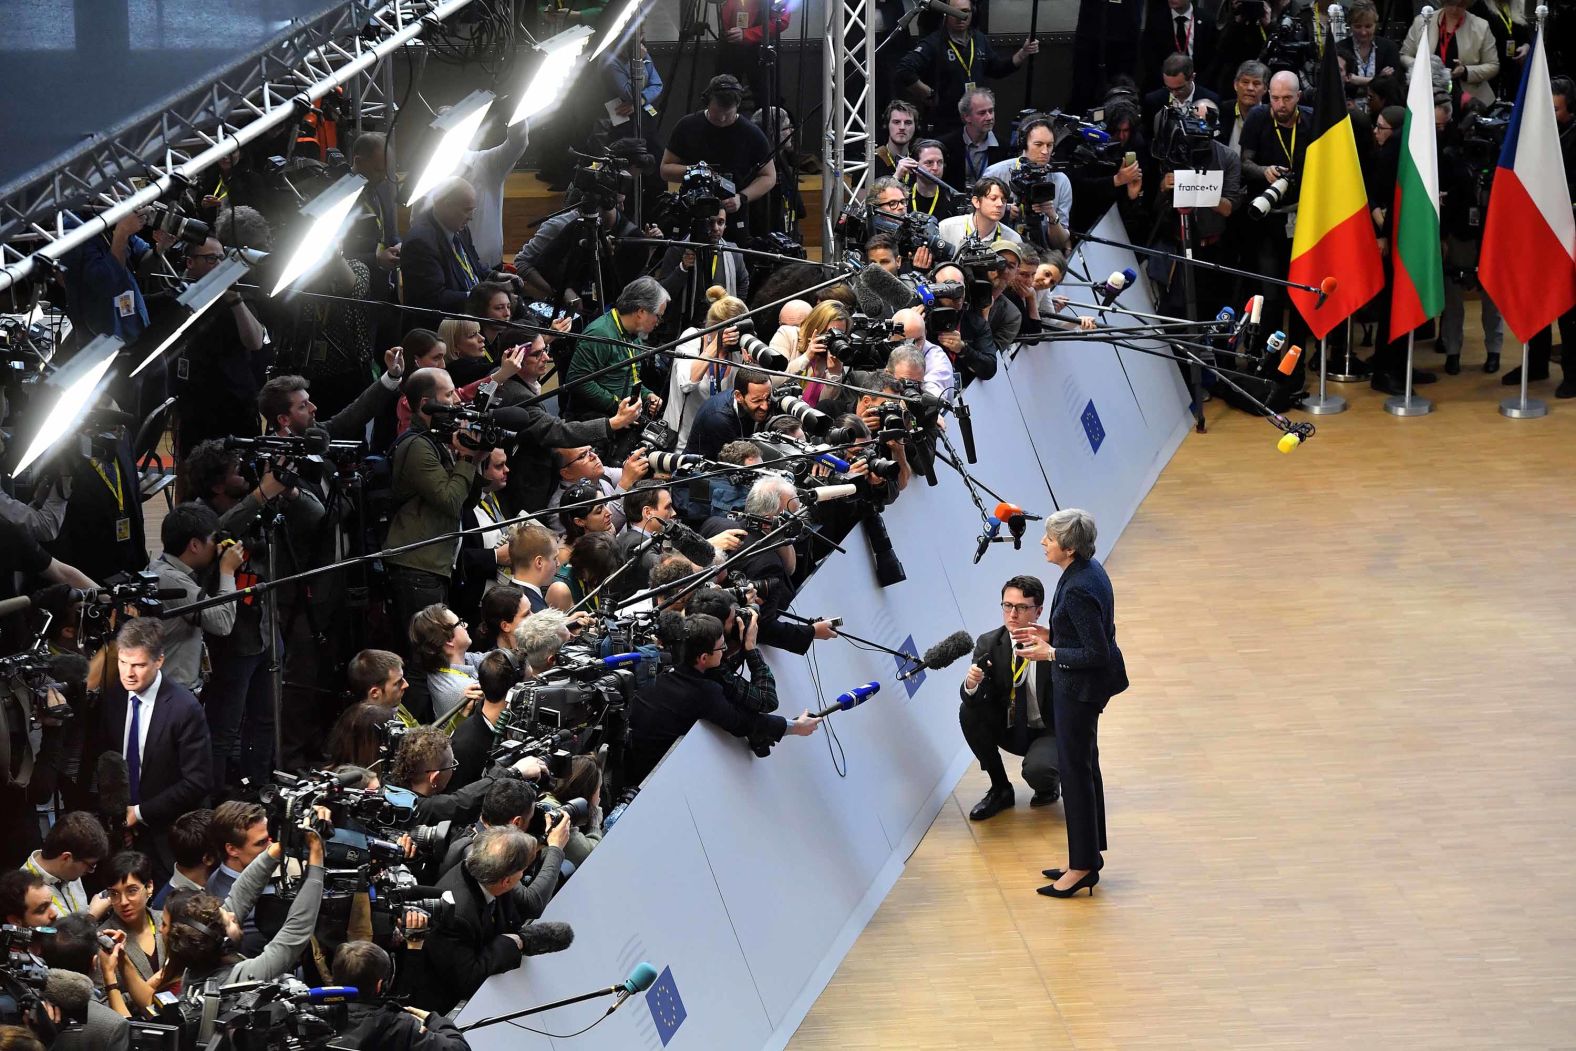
(78, 382)
(329, 211)
(198, 298)
(457, 128)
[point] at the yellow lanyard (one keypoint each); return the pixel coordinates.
(1505, 16)
(634, 367)
(913, 201)
(968, 67)
(57, 890)
(714, 255)
(1291, 154)
(489, 502)
(465, 264)
(1019, 666)
(115, 487)
(221, 191)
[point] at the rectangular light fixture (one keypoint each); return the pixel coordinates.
(550, 82)
(616, 29)
(329, 211)
(457, 127)
(77, 383)
(198, 297)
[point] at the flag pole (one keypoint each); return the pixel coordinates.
(1407, 405)
(1324, 404)
(1524, 408)
(1347, 374)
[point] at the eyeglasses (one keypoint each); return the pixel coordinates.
(1018, 607)
(723, 648)
(203, 255)
(457, 625)
(582, 456)
(453, 765)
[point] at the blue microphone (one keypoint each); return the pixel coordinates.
(329, 994)
(621, 660)
(852, 699)
(640, 978)
(1225, 319)
(836, 463)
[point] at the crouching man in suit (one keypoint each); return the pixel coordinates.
(1007, 706)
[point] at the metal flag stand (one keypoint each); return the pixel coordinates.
(1347, 374)
(1324, 403)
(1523, 408)
(1407, 404)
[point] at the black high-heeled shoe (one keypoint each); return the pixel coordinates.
(1088, 881)
(1053, 874)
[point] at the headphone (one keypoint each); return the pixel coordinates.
(723, 83)
(213, 938)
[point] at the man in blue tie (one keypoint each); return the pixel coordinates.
(438, 258)
(159, 727)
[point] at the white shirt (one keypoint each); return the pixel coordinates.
(69, 896)
(940, 377)
(955, 228)
(144, 720)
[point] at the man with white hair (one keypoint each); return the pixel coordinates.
(636, 314)
(789, 318)
(438, 259)
(940, 379)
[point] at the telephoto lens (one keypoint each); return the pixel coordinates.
(1264, 202)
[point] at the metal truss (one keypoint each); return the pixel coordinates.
(162, 150)
(850, 108)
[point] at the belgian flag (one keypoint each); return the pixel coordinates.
(1335, 235)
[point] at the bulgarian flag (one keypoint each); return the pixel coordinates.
(1528, 265)
(1334, 232)
(1418, 292)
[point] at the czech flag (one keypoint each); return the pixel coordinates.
(1528, 264)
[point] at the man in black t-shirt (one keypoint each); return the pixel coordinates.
(735, 149)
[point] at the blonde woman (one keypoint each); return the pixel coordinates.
(467, 359)
(815, 361)
(691, 381)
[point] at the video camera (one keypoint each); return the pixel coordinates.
(699, 197)
(599, 183)
(858, 222)
(477, 427)
(1289, 47)
(1183, 139)
(22, 975)
(279, 1015)
(1083, 146)
(290, 455)
(864, 346)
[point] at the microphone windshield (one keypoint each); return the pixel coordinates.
(317, 440)
(881, 294)
(1327, 286)
(949, 649)
(1129, 275)
(640, 977)
(1005, 511)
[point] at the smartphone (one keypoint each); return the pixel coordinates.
(1129, 158)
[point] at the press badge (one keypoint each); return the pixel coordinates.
(126, 304)
(968, 86)
(122, 529)
(182, 368)
(742, 20)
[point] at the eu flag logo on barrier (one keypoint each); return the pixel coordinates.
(911, 685)
(1093, 428)
(667, 1008)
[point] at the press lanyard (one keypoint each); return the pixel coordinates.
(115, 487)
(465, 264)
(913, 201)
(634, 368)
(1291, 154)
(1366, 69)
(1020, 665)
(489, 503)
(59, 890)
(968, 67)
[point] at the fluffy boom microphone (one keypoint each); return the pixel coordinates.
(943, 653)
(880, 294)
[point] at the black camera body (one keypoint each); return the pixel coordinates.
(1183, 139)
(477, 427)
(864, 346)
(912, 231)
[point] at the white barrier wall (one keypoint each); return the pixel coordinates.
(745, 881)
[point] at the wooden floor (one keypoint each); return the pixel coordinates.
(1342, 789)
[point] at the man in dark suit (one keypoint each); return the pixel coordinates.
(487, 933)
(159, 727)
(972, 148)
(1007, 705)
(1176, 27)
(1179, 89)
(438, 258)
(731, 414)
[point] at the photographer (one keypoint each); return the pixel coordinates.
(924, 196)
(885, 435)
(425, 764)
(940, 68)
(989, 197)
(581, 782)
(1274, 142)
(221, 363)
(374, 1022)
(508, 804)
(189, 550)
(735, 148)
(889, 195)
(440, 649)
(686, 273)
(741, 627)
(731, 414)
(198, 930)
(772, 570)
(74, 948)
(962, 329)
(616, 336)
(666, 708)
(496, 674)
(74, 847)
(432, 479)
(691, 382)
(555, 266)
(1044, 223)
(490, 930)
(908, 326)
(895, 156)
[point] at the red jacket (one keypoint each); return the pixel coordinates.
(755, 30)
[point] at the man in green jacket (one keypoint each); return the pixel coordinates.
(432, 479)
(636, 314)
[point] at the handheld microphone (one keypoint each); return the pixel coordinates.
(1225, 319)
(1254, 308)
(1288, 364)
(943, 653)
(327, 994)
(1288, 442)
(1111, 287)
(621, 660)
(1274, 343)
(852, 699)
(827, 459)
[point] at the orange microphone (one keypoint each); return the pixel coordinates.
(1326, 289)
(1289, 362)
